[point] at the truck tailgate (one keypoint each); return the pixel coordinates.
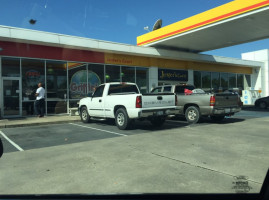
(158, 100)
(226, 100)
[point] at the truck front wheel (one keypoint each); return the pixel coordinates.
(121, 119)
(192, 114)
(84, 115)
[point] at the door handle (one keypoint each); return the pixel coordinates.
(100, 100)
(160, 98)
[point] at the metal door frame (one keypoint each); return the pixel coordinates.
(20, 96)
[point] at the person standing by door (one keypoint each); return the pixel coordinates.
(40, 100)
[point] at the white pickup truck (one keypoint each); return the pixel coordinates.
(125, 103)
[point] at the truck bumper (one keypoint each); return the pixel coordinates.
(161, 112)
(225, 111)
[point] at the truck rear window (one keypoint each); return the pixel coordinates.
(122, 89)
(181, 89)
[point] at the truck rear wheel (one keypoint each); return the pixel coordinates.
(84, 115)
(157, 121)
(192, 114)
(122, 119)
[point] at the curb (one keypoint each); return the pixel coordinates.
(37, 123)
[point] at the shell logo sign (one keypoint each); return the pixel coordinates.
(78, 83)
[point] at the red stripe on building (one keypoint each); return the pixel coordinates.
(47, 52)
(207, 21)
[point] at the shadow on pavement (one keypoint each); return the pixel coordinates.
(144, 125)
(253, 108)
(229, 120)
(207, 120)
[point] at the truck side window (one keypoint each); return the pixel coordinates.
(179, 90)
(167, 89)
(99, 91)
(156, 90)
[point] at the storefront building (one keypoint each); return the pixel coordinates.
(70, 67)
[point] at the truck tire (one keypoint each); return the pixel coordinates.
(122, 119)
(157, 121)
(192, 114)
(84, 115)
(217, 118)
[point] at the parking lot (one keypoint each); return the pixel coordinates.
(177, 157)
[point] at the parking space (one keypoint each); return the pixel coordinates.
(210, 154)
(33, 137)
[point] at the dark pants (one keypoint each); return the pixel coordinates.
(40, 107)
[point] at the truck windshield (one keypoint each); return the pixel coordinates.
(121, 88)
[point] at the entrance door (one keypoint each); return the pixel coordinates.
(11, 97)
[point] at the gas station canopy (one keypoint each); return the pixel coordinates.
(237, 22)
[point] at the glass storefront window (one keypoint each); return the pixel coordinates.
(232, 81)
(77, 79)
(33, 72)
(142, 79)
(112, 73)
(128, 74)
(224, 81)
(240, 83)
(215, 81)
(79, 85)
(197, 79)
(11, 67)
(96, 76)
(206, 81)
(56, 87)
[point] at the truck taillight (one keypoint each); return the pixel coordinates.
(175, 99)
(138, 103)
(212, 101)
(240, 103)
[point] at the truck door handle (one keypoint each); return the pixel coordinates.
(160, 98)
(100, 100)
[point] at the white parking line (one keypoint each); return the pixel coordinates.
(11, 142)
(98, 129)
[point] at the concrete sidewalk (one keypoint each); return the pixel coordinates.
(34, 121)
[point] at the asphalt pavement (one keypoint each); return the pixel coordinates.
(73, 157)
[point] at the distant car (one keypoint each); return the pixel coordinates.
(262, 103)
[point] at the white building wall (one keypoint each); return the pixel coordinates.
(260, 76)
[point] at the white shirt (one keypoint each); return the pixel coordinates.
(41, 93)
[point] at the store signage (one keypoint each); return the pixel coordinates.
(173, 75)
(32, 74)
(120, 61)
(78, 83)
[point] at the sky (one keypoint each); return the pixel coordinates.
(118, 21)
